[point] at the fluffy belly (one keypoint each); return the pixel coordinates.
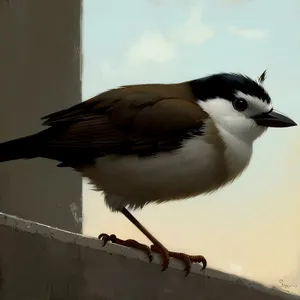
(193, 169)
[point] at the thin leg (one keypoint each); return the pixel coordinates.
(156, 247)
(134, 221)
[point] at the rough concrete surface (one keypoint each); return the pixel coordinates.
(40, 59)
(38, 262)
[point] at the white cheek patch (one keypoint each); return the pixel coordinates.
(254, 102)
(231, 121)
(219, 108)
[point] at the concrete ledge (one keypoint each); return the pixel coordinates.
(38, 262)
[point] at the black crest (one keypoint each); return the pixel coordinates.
(262, 77)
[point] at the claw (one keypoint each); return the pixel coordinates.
(100, 236)
(204, 263)
(104, 237)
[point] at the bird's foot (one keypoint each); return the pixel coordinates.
(127, 243)
(165, 254)
(185, 258)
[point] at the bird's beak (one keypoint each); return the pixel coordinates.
(273, 119)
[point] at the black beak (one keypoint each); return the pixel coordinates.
(273, 119)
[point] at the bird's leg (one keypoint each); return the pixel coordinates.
(156, 247)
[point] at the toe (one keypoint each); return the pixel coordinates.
(199, 259)
(185, 259)
(146, 249)
(165, 263)
(188, 266)
(164, 255)
(187, 269)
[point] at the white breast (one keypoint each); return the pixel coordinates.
(134, 181)
(237, 154)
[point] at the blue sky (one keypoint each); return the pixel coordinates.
(256, 219)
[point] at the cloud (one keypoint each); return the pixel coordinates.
(159, 47)
(152, 47)
(107, 68)
(250, 34)
(193, 31)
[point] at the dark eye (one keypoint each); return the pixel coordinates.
(240, 104)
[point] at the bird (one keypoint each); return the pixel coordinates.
(157, 142)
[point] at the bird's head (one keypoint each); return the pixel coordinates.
(238, 104)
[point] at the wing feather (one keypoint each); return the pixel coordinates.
(128, 120)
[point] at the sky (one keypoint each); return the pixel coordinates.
(252, 227)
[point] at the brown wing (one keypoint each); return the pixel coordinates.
(140, 120)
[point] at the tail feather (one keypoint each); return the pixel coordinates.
(22, 148)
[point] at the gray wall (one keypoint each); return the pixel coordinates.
(38, 262)
(40, 72)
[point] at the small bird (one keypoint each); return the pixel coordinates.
(153, 143)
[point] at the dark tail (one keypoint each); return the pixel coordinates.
(22, 148)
